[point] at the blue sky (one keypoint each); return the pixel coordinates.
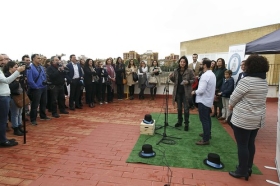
(107, 28)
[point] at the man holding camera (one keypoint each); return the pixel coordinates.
(5, 101)
(37, 90)
(56, 74)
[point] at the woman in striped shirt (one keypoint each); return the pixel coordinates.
(248, 102)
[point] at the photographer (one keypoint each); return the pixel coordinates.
(56, 74)
(37, 90)
(5, 102)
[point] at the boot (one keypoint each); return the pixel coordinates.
(17, 132)
(8, 128)
(215, 112)
(151, 92)
(20, 128)
(155, 92)
(186, 118)
(180, 119)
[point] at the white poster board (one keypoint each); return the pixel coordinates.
(236, 54)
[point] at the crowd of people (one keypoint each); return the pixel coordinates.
(206, 85)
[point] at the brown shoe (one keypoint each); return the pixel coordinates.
(201, 135)
(201, 142)
(221, 118)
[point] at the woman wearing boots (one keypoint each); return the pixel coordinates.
(219, 72)
(155, 71)
(16, 89)
(130, 69)
(142, 73)
(182, 79)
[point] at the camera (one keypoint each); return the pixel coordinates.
(46, 83)
(23, 63)
(65, 69)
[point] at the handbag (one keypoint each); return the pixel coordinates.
(124, 81)
(135, 76)
(153, 80)
(18, 99)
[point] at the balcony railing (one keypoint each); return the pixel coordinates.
(272, 75)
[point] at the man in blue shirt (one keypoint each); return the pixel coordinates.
(204, 98)
(37, 90)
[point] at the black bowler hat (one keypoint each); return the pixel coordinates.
(213, 160)
(148, 119)
(147, 151)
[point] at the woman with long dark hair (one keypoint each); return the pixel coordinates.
(155, 71)
(90, 80)
(130, 69)
(120, 75)
(182, 78)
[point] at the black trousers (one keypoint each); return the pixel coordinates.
(90, 92)
(57, 98)
(120, 91)
(75, 89)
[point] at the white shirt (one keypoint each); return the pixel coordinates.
(206, 89)
(194, 64)
(76, 71)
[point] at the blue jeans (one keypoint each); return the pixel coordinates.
(204, 116)
(245, 140)
(4, 107)
(39, 96)
(16, 114)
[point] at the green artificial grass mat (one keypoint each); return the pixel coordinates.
(185, 153)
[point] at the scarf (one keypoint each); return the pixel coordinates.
(258, 74)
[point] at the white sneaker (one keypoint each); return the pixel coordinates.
(101, 103)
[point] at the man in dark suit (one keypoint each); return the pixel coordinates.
(241, 74)
(75, 79)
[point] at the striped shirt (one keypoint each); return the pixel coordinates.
(249, 103)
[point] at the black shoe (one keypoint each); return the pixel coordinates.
(178, 124)
(17, 132)
(72, 108)
(64, 112)
(11, 140)
(78, 107)
(186, 128)
(8, 144)
(20, 128)
(46, 118)
(249, 170)
(237, 175)
(55, 115)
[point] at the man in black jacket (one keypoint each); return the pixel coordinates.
(56, 75)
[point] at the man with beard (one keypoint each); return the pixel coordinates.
(56, 76)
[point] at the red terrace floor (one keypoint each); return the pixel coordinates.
(89, 147)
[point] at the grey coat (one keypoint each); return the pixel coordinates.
(189, 76)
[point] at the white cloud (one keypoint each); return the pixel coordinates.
(100, 29)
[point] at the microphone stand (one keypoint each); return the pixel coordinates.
(164, 138)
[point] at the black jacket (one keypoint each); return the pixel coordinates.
(55, 76)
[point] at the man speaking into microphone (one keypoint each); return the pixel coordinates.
(182, 78)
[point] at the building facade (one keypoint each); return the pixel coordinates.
(149, 57)
(131, 55)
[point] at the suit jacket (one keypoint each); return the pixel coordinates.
(196, 70)
(239, 77)
(70, 75)
(88, 74)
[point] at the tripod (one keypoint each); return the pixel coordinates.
(23, 109)
(164, 138)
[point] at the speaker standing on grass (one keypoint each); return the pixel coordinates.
(182, 78)
(5, 102)
(204, 99)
